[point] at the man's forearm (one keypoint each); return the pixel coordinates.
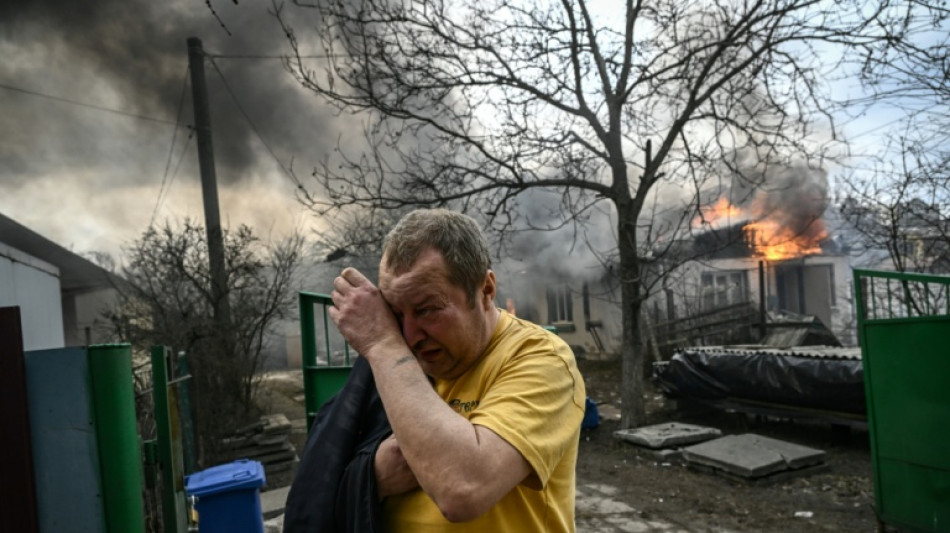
(426, 427)
(460, 469)
(393, 475)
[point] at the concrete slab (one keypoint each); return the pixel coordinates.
(667, 435)
(752, 456)
(668, 455)
(273, 502)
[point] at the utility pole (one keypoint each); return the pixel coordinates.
(209, 188)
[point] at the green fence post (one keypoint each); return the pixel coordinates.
(120, 455)
(308, 345)
(169, 445)
(187, 423)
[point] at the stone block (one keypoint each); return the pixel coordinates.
(752, 456)
(667, 435)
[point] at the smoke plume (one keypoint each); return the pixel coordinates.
(66, 63)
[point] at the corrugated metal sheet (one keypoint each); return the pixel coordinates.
(821, 352)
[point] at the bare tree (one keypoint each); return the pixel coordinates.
(355, 237)
(167, 300)
(911, 68)
(472, 104)
(899, 201)
(900, 206)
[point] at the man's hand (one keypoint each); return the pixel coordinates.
(362, 316)
(393, 475)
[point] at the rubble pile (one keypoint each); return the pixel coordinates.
(268, 442)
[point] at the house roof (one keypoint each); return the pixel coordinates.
(76, 273)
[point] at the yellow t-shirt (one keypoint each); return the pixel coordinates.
(527, 389)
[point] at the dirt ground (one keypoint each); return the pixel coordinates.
(838, 498)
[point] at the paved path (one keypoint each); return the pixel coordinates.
(597, 512)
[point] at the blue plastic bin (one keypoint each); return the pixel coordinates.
(591, 415)
(229, 497)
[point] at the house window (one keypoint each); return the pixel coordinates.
(723, 288)
(560, 304)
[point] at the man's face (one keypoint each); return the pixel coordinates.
(446, 332)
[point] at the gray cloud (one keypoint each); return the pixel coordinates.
(131, 55)
(138, 50)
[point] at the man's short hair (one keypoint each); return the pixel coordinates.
(455, 235)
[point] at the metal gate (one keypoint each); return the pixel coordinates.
(320, 382)
(904, 330)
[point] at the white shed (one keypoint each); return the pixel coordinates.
(61, 295)
(33, 285)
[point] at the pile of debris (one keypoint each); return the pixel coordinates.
(807, 382)
(268, 442)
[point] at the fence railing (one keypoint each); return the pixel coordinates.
(889, 295)
(321, 382)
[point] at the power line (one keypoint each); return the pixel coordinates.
(161, 190)
(181, 157)
(248, 118)
(84, 104)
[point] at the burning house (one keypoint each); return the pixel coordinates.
(751, 269)
(758, 308)
(757, 262)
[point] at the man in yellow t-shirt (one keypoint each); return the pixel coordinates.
(485, 408)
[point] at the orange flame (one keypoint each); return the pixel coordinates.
(768, 237)
(710, 214)
(776, 242)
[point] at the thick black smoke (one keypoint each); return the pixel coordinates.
(793, 196)
(136, 50)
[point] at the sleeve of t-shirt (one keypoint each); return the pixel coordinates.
(536, 403)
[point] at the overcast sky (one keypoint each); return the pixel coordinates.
(91, 179)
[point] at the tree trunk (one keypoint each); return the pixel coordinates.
(631, 355)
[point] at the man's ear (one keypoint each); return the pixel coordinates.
(488, 290)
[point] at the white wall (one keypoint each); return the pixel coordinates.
(33, 285)
(85, 310)
(686, 284)
(603, 309)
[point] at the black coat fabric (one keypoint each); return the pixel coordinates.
(335, 485)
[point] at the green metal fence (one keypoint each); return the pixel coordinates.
(120, 463)
(165, 455)
(904, 327)
(321, 382)
(86, 454)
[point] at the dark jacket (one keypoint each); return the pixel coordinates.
(335, 485)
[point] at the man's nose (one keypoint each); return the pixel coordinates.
(412, 332)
